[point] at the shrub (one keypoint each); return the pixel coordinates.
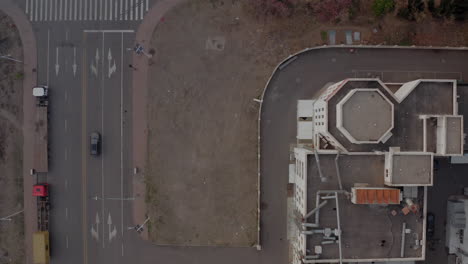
(353, 9)
(381, 7)
(330, 10)
(323, 35)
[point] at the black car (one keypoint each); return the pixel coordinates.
(430, 225)
(95, 143)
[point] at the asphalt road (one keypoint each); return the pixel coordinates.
(91, 214)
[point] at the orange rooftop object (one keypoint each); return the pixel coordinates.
(369, 195)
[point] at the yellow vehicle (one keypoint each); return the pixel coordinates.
(41, 248)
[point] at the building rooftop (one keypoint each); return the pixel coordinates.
(412, 169)
(453, 139)
(364, 227)
(365, 116)
(407, 132)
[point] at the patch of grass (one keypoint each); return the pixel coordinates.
(19, 76)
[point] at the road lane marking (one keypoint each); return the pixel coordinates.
(100, 9)
(105, 9)
(121, 134)
(26, 10)
(48, 55)
(147, 6)
(83, 152)
(102, 131)
(76, 9)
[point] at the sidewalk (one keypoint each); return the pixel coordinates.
(30, 78)
(140, 91)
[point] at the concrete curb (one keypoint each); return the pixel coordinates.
(139, 104)
(28, 41)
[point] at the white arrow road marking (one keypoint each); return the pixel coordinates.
(109, 56)
(97, 56)
(112, 232)
(57, 66)
(95, 233)
(112, 69)
(94, 70)
(74, 62)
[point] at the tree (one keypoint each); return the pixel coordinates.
(281, 8)
(381, 7)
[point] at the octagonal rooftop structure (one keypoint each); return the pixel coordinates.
(365, 116)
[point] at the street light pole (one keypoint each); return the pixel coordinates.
(8, 57)
(8, 218)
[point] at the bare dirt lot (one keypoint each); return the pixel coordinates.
(11, 94)
(211, 59)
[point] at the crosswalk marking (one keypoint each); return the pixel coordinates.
(100, 10)
(60, 9)
(30, 14)
(79, 10)
(40, 13)
(35, 10)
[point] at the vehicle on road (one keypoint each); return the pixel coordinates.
(430, 225)
(41, 247)
(95, 143)
(41, 159)
(42, 94)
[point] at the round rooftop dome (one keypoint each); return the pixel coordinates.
(365, 116)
